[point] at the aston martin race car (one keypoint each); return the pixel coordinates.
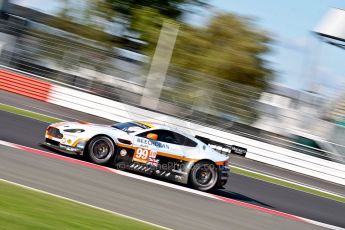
(148, 148)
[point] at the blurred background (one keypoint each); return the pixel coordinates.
(269, 71)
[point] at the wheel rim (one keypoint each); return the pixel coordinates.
(204, 175)
(100, 149)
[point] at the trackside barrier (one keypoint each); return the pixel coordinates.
(24, 86)
(113, 110)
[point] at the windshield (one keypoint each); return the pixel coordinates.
(130, 127)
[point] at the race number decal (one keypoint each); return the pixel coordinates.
(143, 155)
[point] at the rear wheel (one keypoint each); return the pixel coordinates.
(101, 150)
(203, 175)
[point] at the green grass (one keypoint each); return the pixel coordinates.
(284, 183)
(26, 113)
(22, 208)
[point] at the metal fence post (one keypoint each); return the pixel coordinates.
(159, 65)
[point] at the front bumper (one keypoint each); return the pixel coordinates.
(62, 148)
(223, 175)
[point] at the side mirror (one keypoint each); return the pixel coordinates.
(152, 136)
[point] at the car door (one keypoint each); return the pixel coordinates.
(166, 148)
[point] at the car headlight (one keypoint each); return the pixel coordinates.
(74, 130)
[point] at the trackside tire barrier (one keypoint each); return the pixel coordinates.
(116, 111)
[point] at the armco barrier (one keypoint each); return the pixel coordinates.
(113, 110)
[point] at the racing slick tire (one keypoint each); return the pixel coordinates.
(203, 175)
(101, 150)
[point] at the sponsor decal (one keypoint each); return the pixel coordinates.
(153, 161)
(151, 143)
(238, 150)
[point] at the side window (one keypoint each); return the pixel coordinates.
(163, 136)
(186, 141)
(144, 134)
(170, 137)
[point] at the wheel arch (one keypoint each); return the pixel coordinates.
(204, 160)
(198, 161)
(93, 137)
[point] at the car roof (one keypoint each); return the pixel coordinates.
(154, 125)
(159, 125)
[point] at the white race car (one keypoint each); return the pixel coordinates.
(149, 148)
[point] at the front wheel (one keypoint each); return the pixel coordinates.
(101, 150)
(203, 175)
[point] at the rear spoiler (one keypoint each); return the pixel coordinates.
(223, 148)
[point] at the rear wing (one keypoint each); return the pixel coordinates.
(223, 148)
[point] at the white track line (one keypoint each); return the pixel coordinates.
(328, 226)
(84, 204)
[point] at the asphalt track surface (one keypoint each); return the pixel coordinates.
(174, 209)
(150, 202)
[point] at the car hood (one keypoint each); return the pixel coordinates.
(79, 125)
(88, 127)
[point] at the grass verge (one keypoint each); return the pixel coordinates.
(21, 208)
(27, 113)
(285, 183)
